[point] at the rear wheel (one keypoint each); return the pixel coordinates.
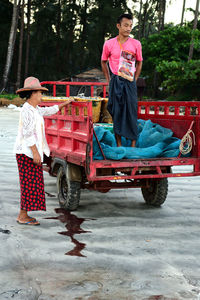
(156, 193)
(68, 191)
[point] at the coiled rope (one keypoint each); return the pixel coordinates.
(186, 142)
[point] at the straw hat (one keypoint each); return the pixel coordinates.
(31, 84)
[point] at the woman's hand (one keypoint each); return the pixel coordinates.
(60, 106)
(36, 156)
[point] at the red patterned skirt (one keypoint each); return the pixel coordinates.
(31, 184)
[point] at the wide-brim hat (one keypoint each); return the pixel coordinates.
(31, 84)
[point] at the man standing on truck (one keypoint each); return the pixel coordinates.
(125, 61)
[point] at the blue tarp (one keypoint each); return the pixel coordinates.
(153, 141)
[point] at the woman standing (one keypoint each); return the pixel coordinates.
(30, 147)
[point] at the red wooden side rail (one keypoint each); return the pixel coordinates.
(72, 83)
(169, 109)
(69, 131)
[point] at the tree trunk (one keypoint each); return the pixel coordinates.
(58, 38)
(139, 21)
(69, 46)
(183, 11)
(163, 14)
(11, 44)
(84, 21)
(19, 67)
(150, 26)
(84, 31)
(145, 18)
(194, 27)
(27, 39)
(159, 15)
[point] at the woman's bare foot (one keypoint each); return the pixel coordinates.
(24, 218)
(31, 223)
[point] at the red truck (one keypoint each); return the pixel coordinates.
(70, 137)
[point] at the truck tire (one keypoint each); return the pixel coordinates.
(156, 194)
(68, 191)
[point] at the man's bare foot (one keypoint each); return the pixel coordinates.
(118, 140)
(133, 143)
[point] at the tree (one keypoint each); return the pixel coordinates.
(161, 14)
(183, 11)
(19, 67)
(182, 78)
(83, 34)
(27, 38)
(43, 40)
(150, 18)
(67, 36)
(102, 18)
(6, 9)
(170, 45)
(146, 5)
(194, 28)
(140, 20)
(58, 37)
(11, 44)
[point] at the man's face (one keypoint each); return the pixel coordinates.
(125, 27)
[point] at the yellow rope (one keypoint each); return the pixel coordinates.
(186, 142)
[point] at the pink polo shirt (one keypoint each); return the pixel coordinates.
(112, 50)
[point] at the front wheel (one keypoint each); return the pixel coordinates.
(156, 193)
(68, 191)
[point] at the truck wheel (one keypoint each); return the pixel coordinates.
(156, 194)
(68, 191)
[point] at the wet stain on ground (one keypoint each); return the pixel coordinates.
(160, 297)
(156, 297)
(73, 226)
(5, 231)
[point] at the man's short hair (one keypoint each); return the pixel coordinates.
(127, 16)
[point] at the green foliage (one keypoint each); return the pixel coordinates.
(166, 55)
(171, 44)
(9, 96)
(179, 75)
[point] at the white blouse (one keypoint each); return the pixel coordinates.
(31, 130)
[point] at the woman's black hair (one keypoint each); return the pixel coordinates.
(127, 16)
(25, 94)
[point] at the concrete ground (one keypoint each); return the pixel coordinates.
(129, 252)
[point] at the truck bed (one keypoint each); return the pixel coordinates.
(70, 134)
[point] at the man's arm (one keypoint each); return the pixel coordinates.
(138, 69)
(104, 65)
